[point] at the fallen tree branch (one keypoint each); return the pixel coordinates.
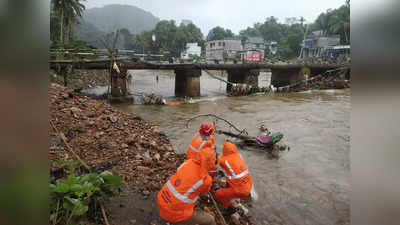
(220, 118)
(69, 147)
(240, 136)
(217, 208)
(103, 211)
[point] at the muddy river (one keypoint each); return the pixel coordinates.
(310, 184)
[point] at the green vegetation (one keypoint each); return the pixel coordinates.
(78, 196)
(290, 35)
(169, 38)
(335, 21)
(218, 33)
(63, 15)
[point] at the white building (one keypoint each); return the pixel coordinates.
(192, 49)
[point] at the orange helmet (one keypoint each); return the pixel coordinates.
(206, 129)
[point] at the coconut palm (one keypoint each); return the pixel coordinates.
(341, 23)
(324, 22)
(69, 12)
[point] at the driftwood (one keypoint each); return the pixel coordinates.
(82, 162)
(69, 147)
(220, 118)
(217, 208)
(240, 136)
(103, 212)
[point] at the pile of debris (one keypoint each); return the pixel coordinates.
(105, 138)
(108, 139)
(323, 83)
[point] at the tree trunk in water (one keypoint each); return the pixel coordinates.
(62, 27)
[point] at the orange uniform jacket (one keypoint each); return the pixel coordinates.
(237, 174)
(199, 146)
(178, 196)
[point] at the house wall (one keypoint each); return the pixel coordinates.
(215, 49)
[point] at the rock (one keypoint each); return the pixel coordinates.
(112, 118)
(124, 146)
(143, 169)
(157, 156)
(236, 218)
(146, 192)
(131, 139)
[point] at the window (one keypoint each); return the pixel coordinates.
(219, 43)
(223, 44)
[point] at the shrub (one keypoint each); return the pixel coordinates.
(79, 195)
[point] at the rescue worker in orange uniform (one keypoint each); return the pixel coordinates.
(177, 198)
(203, 143)
(238, 179)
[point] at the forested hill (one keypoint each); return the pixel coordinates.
(88, 32)
(111, 17)
(96, 22)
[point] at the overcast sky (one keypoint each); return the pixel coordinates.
(233, 14)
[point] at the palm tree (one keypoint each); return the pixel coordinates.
(69, 12)
(324, 22)
(341, 23)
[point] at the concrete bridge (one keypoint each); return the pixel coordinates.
(187, 79)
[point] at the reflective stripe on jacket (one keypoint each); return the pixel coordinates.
(199, 146)
(178, 196)
(236, 171)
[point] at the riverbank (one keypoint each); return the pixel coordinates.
(106, 138)
(82, 79)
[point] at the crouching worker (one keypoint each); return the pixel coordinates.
(178, 196)
(203, 143)
(203, 139)
(238, 178)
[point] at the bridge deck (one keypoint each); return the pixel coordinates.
(138, 65)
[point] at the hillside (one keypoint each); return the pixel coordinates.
(111, 17)
(89, 33)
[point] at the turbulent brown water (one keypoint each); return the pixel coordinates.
(307, 185)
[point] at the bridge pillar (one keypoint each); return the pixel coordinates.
(119, 82)
(283, 77)
(242, 76)
(187, 82)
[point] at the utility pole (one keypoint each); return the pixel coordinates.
(304, 40)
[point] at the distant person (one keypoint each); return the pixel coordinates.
(177, 198)
(238, 179)
(203, 143)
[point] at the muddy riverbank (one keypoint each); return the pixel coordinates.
(307, 185)
(106, 138)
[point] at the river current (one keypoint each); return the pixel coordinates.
(310, 184)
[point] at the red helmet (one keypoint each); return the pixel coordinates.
(206, 129)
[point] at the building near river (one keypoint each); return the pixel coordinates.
(192, 49)
(254, 49)
(317, 45)
(225, 49)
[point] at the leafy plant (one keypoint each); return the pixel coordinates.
(79, 195)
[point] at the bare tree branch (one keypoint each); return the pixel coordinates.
(220, 118)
